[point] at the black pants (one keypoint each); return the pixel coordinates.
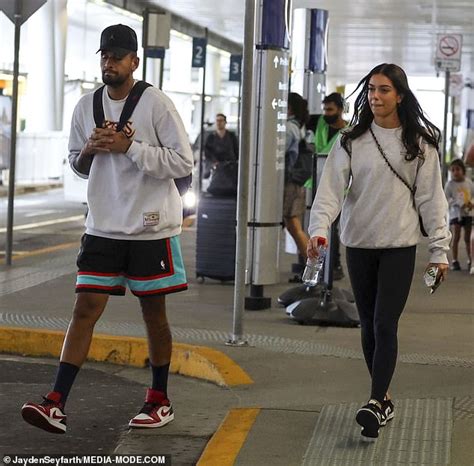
(381, 280)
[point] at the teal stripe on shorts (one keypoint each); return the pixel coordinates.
(170, 283)
(99, 280)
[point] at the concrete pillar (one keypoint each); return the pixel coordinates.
(47, 30)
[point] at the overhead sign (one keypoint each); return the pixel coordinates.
(448, 52)
(470, 119)
(199, 52)
(156, 31)
(25, 8)
(235, 70)
(155, 52)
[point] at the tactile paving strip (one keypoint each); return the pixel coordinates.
(420, 434)
(22, 278)
(200, 336)
(464, 408)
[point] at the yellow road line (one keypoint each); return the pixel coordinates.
(189, 360)
(28, 226)
(226, 443)
(36, 252)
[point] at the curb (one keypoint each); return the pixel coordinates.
(189, 360)
(26, 189)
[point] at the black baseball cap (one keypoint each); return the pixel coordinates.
(119, 39)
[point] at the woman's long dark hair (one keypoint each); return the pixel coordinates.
(298, 107)
(414, 123)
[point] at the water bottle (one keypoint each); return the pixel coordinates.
(313, 267)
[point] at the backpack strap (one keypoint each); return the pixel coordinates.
(131, 102)
(128, 108)
(98, 108)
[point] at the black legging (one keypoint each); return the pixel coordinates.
(381, 280)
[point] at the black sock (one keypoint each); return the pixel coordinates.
(64, 379)
(160, 378)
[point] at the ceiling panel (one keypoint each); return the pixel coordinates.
(362, 33)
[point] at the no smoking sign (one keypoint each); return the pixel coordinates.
(449, 46)
(448, 52)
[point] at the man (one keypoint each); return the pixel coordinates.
(326, 134)
(132, 228)
(221, 145)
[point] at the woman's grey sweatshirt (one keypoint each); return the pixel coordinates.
(378, 210)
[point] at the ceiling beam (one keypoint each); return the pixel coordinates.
(179, 23)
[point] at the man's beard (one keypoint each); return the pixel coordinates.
(113, 80)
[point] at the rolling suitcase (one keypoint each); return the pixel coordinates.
(215, 238)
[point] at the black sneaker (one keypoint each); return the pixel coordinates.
(455, 265)
(371, 418)
(388, 411)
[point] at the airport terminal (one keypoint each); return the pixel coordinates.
(297, 176)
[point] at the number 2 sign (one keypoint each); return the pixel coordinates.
(199, 52)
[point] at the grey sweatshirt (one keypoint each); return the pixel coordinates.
(378, 210)
(133, 195)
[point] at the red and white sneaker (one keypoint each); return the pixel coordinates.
(48, 415)
(156, 412)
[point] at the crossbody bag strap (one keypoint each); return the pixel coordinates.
(382, 153)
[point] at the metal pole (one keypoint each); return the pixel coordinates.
(162, 72)
(453, 126)
(445, 126)
(11, 180)
(244, 166)
(239, 106)
(145, 40)
(144, 65)
(203, 104)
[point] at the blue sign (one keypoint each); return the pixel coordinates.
(199, 52)
(470, 119)
(155, 52)
(274, 16)
(318, 41)
(235, 69)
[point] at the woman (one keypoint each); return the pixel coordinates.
(389, 149)
(294, 197)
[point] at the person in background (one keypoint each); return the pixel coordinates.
(132, 228)
(294, 196)
(221, 145)
(380, 224)
(328, 127)
(460, 195)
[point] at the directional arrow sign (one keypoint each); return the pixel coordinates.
(274, 103)
(25, 8)
(275, 62)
